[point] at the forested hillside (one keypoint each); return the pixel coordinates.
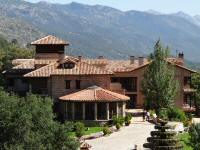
(10, 51)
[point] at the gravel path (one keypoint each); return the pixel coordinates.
(125, 139)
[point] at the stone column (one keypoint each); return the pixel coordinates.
(124, 108)
(117, 109)
(30, 88)
(73, 115)
(66, 110)
(83, 104)
(95, 111)
(107, 108)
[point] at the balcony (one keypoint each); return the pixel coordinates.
(117, 87)
(188, 108)
(128, 84)
(188, 90)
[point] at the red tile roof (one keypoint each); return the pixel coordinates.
(80, 68)
(50, 40)
(95, 94)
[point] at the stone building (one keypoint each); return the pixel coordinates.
(55, 74)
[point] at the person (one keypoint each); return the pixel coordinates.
(148, 116)
(143, 114)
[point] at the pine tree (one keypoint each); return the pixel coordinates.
(159, 85)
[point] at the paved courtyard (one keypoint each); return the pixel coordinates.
(125, 139)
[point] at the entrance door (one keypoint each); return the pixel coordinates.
(131, 104)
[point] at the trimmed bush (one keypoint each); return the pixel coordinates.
(118, 120)
(118, 126)
(176, 114)
(127, 119)
(106, 131)
(79, 129)
(173, 114)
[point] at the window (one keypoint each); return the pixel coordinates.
(67, 84)
(101, 111)
(69, 111)
(68, 65)
(78, 84)
(78, 111)
(187, 80)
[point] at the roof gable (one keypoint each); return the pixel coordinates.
(49, 40)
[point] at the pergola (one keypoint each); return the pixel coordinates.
(93, 103)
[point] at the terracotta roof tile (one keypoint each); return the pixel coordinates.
(95, 94)
(116, 65)
(80, 68)
(50, 40)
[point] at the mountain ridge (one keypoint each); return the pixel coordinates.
(101, 30)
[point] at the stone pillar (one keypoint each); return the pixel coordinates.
(66, 110)
(107, 108)
(124, 108)
(30, 88)
(117, 109)
(95, 111)
(83, 104)
(73, 112)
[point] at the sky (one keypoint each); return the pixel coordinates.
(191, 7)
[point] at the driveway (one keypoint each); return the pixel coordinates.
(125, 139)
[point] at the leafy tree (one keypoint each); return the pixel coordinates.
(10, 51)
(29, 123)
(159, 85)
(196, 85)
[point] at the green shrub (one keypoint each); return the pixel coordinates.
(79, 129)
(127, 119)
(152, 112)
(106, 131)
(118, 126)
(176, 114)
(194, 132)
(163, 114)
(118, 119)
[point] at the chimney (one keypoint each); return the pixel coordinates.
(141, 61)
(181, 55)
(100, 57)
(79, 58)
(180, 60)
(132, 59)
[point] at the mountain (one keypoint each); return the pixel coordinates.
(12, 28)
(100, 30)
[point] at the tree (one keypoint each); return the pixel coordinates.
(162, 139)
(159, 85)
(10, 51)
(196, 86)
(29, 123)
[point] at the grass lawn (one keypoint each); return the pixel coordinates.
(184, 138)
(93, 130)
(90, 131)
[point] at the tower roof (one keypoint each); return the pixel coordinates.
(50, 40)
